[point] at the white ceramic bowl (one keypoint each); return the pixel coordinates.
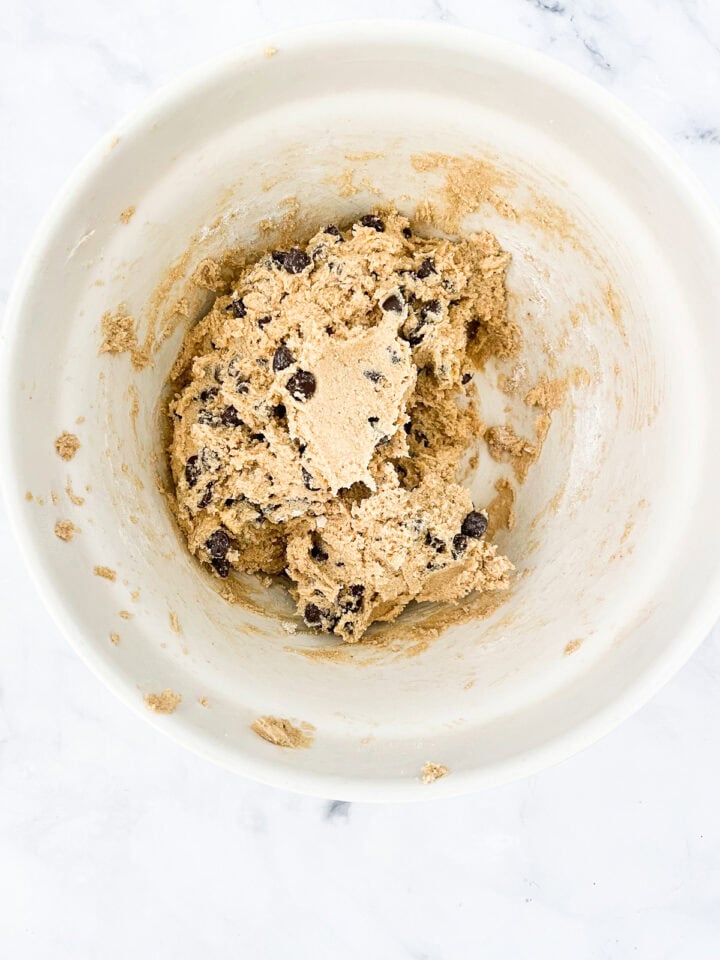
(618, 525)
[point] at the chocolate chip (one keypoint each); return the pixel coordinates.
(293, 260)
(435, 542)
(217, 544)
(218, 373)
(350, 599)
(308, 480)
(317, 552)
(332, 230)
(394, 355)
(407, 427)
(259, 437)
(406, 232)
(230, 502)
(369, 220)
(373, 375)
(459, 545)
(264, 321)
(192, 471)
(206, 418)
(415, 336)
(392, 304)
(425, 269)
(421, 438)
(279, 411)
(206, 497)
(302, 385)
(221, 566)
(373, 420)
(474, 525)
(282, 358)
(242, 386)
(466, 377)
(312, 615)
(209, 394)
(230, 417)
(432, 306)
(238, 308)
(472, 329)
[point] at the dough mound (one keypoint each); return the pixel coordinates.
(321, 413)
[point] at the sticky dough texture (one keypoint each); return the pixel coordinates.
(321, 412)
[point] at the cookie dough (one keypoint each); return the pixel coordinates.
(321, 412)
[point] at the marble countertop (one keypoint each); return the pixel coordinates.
(115, 842)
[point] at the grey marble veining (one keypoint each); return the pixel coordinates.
(115, 842)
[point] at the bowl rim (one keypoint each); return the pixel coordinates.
(425, 34)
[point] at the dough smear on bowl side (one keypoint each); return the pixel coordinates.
(321, 411)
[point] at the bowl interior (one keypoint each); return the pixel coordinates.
(612, 281)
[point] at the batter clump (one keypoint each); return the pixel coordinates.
(321, 414)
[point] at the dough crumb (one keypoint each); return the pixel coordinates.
(127, 214)
(67, 445)
(571, 647)
(119, 335)
(115, 638)
(501, 509)
(125, 614)
(270, 51)
(165, 702)
(203, 701)
(72, 496)
(175, 622)
(547, 394)
(433, 771)
(105, 572)
(504, 445)
(281, 732)
(65, 530)
(28, 496)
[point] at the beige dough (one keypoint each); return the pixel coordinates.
(321, 412)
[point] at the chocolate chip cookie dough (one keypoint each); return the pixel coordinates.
(321, 413)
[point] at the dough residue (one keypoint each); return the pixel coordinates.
(119, 335)
(165, 702)
(73, 497)
(67, 445)
(107, 573)
(433, 771)
(65, 530)
(281, 732)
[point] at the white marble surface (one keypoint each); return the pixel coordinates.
(114, 842)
